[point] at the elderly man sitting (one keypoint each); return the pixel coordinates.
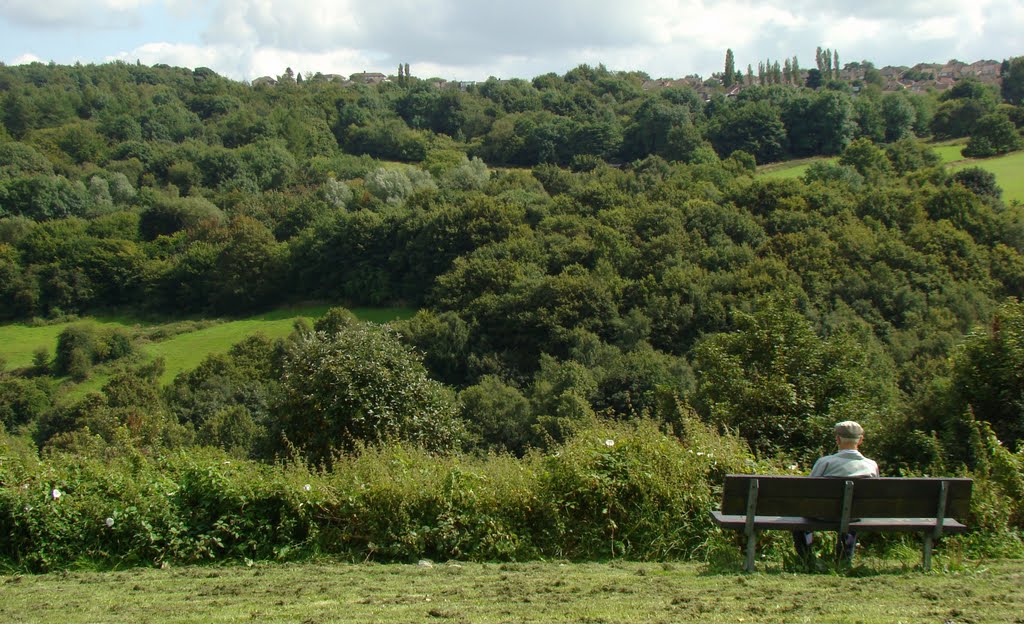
(847, 462)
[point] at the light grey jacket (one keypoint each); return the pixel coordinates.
(845, 463)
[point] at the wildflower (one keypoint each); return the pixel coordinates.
(110, 522)
(307, 487)
(55, 493)
(609, 443)
(793, 467)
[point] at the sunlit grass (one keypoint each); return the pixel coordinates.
(949, 151)
(19, 341)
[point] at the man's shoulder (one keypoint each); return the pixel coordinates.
(845, 463)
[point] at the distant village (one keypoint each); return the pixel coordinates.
(920, 78)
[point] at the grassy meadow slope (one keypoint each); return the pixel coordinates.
(1008, 169)
(182, 344)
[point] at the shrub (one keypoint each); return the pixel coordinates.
(82, 345)
(361, 384)
(629, 489)
(995, 134)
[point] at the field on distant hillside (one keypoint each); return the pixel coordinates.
(1009, 172)
(789, 169)
(536, 592)
(1008, 169)
(182, 344)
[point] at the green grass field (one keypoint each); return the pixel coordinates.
(536, 592)
(1008, 169)
(185, 351)
(1009, 172)
(188, 344)
(949, 152)
(789, 169)
(20, 341)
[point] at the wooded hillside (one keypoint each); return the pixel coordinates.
(578, 247)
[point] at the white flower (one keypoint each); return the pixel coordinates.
(609, 443)
(110, 522)
(307, 487)
(793, 467)
(55, 494)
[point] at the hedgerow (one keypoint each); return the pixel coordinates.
(611, 490)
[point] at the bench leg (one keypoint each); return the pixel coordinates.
(927, 562)
(751, 551)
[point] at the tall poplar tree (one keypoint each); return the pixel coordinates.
(835, 62)
(730, 69)
(795, 71)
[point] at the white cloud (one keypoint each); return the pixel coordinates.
(73, 14)
(246, 63)
(472, 39)
(25, 59)
(935, 28)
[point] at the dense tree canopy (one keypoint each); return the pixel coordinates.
(593, 244)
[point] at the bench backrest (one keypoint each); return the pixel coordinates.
(822, 497)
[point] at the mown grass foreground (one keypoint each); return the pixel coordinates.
(535, 592)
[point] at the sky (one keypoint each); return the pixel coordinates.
(476, 39)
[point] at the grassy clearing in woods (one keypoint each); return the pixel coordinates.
(182, 344)
(1009, 172)
(1008, 169)
(534, 592)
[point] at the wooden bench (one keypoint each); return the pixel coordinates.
(753, 503)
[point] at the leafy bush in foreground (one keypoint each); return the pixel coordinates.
(644, 496)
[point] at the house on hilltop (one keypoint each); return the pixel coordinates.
(953, 69)
(370, 78)
(985, 71)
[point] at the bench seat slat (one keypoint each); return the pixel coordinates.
(800, 523)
